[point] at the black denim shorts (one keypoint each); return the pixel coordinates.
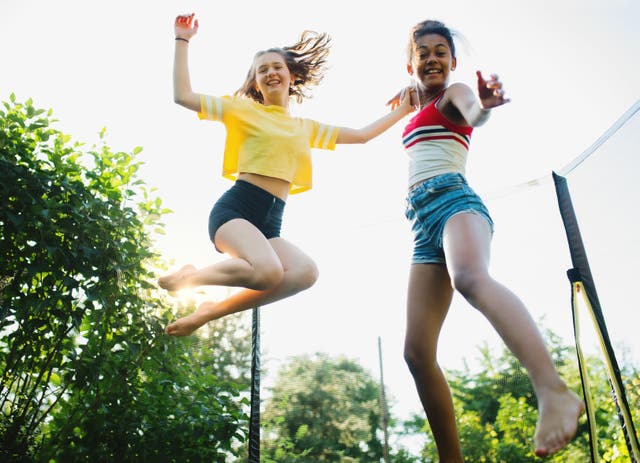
(247, 201)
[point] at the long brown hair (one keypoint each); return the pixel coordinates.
(307, 63)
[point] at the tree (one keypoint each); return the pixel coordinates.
(323, 409)
(182, 406)
(87, 374)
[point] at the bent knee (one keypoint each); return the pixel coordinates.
(469, 283)
(306, 276)
(266, 277)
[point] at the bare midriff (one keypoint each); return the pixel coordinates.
(276, 186)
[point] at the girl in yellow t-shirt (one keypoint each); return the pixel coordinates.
(267, 153)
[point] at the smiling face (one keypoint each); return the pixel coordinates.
(432, 61)
(272, 78)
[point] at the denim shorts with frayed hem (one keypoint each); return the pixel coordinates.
(430, 204)
(247, 201)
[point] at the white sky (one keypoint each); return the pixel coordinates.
(570, 68)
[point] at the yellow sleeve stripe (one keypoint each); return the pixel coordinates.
(210, 108)
(326, 137)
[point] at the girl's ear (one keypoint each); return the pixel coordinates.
(454, 63)
(410, 69)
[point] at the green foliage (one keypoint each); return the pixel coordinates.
(323, 409)
(87, 373)
(477, 438)
(496, 410)
(182, 409)
(516, 424)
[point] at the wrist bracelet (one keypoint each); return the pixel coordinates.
(180, 38)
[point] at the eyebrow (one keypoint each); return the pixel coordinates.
(437, 45)
(272, 63)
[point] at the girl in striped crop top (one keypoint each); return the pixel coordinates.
(268, 154)
(452, 234)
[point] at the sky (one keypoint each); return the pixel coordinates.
(570, 68)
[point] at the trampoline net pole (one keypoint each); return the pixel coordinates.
(254, 414)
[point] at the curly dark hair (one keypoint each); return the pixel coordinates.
(306, 60)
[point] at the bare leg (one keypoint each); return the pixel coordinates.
(299, 273)
(467, 247)
(429, 297)
(253, 263)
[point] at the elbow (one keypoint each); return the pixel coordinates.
(478, 122)
(354, 136)
(185, 101)
(181, 93)
(178, 99)
(480, 118)
(363, 136)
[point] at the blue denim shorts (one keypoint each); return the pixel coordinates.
(430, 205)
(246, 201)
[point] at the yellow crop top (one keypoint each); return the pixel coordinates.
(266, 140)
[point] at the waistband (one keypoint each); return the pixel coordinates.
(250, 187)
(426, 183)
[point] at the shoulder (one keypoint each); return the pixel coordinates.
(455, 102)
(227, 107)
(456, 93)
(231, 100)
(217, 101)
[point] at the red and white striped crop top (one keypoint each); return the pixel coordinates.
(434, 144)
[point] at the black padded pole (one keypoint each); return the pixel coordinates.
(254, 415)
(582, 269)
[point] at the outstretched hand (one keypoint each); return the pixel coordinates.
(490, 91)
(405, 97)
(186, 26)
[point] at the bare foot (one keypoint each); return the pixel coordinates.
(557, 421)
(186, 325)
(175, 281)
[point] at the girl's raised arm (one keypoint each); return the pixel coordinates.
(186, 27)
